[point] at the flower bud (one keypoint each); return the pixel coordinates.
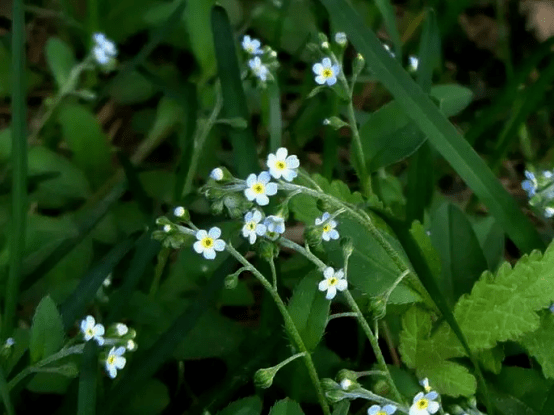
(181, 213)
(231, 281)
(324, 206)
(335, 122)
(347, 379)
(378, 307)
(312, 235)
(267, 250)
(263, 378)
(322, 38)
(162, 220)
(358, 65)
(341, 39)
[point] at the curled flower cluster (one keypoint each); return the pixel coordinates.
(540, 190)
(104, 50)
(262, 60)
(118, 336)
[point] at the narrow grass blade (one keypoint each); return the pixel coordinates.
(5, 394)
(19, 163)
(275, 124)
(389, 17)
(86, 399)
(148, 361)
(234, 100)
(74, 307)
(440, 132)
(429, 51)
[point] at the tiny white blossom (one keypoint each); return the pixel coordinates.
(340, 38)
(258, 68)
(259, 187)
(388, 49)
(326, 72)
(121, 329)
(548, 212)
(252, 226)
(275, 226)
(281, 165)
(108, 281)
(425, 384)
(217, 174)
(91, 330)
(414, 63)
(324, 45)
(326, 121)
(115, 361)
(329, 231)
(9, 342)
(104, 49)
(167, 228)
(385, 410)
(208, 242)
(252, 46)
(333, 281)
(345, 384)
(179, 211)
(131, 346)
(425, 404)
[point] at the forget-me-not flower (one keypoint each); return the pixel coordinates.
(326, 72)
(333, 281)
(115, 361)
(208, 242)
(329, 231)
(281, 165)
(251, 46)
(259, 187)
(252, 227)
(425, 404)
(91, 330)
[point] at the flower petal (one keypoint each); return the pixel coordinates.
(389, 409)
(250, 194)
(214, 232)
(342, 285)
(264, 177)
(326, 62)
(432, 395)
(281, 153)
(373, 409)
(271, 189)
(261, 229)
(197, 246)
(252, 238)
(317, 68)
(262, 200)
(433, 407)
(333, 234)
(325, 236)
(320, 79)
(289, 175)
(323, 285)
(332, 81)
(331, 292)
(418, 397)
(219, 244)
(201, 234)
(251, 179)
(292, 162)
(209, 253)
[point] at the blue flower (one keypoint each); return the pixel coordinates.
(326, 72)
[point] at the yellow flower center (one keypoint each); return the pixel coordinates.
(326, 228)
(333, 281)
(250, 49)
(327, 73)
(90, 332)
(251, 226)
(258, 188)
(422, 404)
(111, 360)
(280, 165)
(207, 242)
(382, 413)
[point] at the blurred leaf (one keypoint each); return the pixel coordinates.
(49, 383)
(461, 255)
(429, 51)
(342, 407)
(309, 310)
(425, 245)
(60, 59)
(47, 332)
(82, 133)
(286, 407)
(238, 296)
(452, 98)
(491, 238)
(131, 88)
(540, 344)
(86, 399)
(151, 399)
(245, 406)
(5, 394)
(32, 79)
(389, 18)
(197, 20)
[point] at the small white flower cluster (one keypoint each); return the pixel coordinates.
(540, 190)
(104, 50)
(118, 336)
(262, 60)
(271, 227)
(425, 404)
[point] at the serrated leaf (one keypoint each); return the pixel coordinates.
(60, 59)
(47, 333)
(540, 344)
(286, 407)
(491, 359)
(453, 378)
(309, 309)
(246, 406)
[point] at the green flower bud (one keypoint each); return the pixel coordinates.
(335, 396)
(312, 235)
(322, 38)
(162, 221)
(378, 307)
(381, 388)
(358, 65)
(263, 378)
(324, 206)
(329, 384)
(267, 249)
(335, 122)
(231, 281)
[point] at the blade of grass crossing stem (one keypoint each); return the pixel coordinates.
(429, 51)
(147, 363)
(389, 17)
(75, 305)
(426, 277)
(5, 394)
(19, 163)
(234, 100)
(275, 124)
(440, 132)
(86, 399)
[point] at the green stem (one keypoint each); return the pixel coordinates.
(199, 140)
(374, 344)
(273, 273)
(289, 326)
(287, 243)
(365, 394)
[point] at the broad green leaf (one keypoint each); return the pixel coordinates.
(286, 407)
(309, 310)
(60, 59)
(440, 132)
(452, 98)
(89, 145)
(150, 399)
(131, 88)
(540, 344)
(461, 255)
(246, 406)
(47, 333)
(197, 20)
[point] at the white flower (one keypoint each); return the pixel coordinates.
(252, 226)
(414, 63)
(258, 68)
(333, 281)
(326, 121)
(167, 228)
(217, 174)
(252, 46)
(530, 185)
(326, 72)
(387, 48)
(425, 404)
(281, 165)
(108, 281)
(179, 211)
(131, 346)
(329, 231)
(104, 49)
(340, 38)
(385, 410)
(275, 226)
(115, 361)
(9, 342)
(346, 384)
(91, 330)
(121, 329)
(547, 174)
(425, 384)
(548, 212)
(324, 45)
(259, 187)
(208, 242)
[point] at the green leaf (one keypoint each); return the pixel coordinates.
(197, 20)
(440, 132)
(426, 246)
(5, 394)
(150, 399)
(452, 98)
(86, 399)
(131, 88)
(246, 406)
(82, 132)
(540, 344)
(461, 255)
(47, 332)
(389, 17)
(309, 310)
(286, 407)
(429, 51)
(342, 407)
(491, 238)
(60, 59)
